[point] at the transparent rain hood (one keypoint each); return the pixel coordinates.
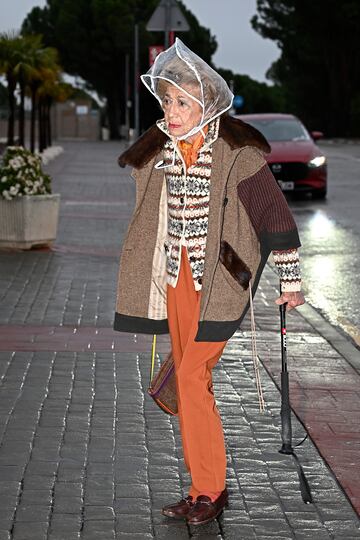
(181, 67)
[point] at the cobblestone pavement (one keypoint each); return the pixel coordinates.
(85, 453)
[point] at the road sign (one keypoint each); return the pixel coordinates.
(167, 17)
(238, 102)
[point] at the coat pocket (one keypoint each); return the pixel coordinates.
(236, 267)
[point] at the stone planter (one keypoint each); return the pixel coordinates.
(29, 221)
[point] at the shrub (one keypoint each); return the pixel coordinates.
(21, 174)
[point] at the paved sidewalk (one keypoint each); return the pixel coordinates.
(85, 453)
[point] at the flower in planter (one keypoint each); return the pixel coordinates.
(21, 174)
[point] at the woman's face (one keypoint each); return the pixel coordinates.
(181, 112)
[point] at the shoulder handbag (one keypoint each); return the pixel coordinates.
(162, 386)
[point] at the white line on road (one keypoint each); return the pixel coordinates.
(95, 203)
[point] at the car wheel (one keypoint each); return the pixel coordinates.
(319, 194)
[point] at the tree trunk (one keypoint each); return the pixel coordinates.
(43, 127)
(48, 123)
(33, 119)
(22, 114)
(44, 123)
(11, 118)
(40, 125)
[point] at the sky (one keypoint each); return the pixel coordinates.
(240, 48)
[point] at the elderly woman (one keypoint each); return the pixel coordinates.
(208, 213)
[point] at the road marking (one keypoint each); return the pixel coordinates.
(96, 203)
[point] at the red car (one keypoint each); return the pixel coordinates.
(297, 163)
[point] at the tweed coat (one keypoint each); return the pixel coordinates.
(248, 217)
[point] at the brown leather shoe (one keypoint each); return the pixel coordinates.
(205, 510)
(180, 509)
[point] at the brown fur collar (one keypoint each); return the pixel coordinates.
(234, 131)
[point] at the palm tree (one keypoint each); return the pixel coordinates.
(45, 68)
(24, 70)
(25, 61)
(10, 46)
(50, 92)
(46, 91)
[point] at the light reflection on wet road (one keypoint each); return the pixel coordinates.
(330, 236)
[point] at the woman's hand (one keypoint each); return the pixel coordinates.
(293, 299)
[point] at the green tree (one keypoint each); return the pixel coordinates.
(50, 92)
(45, 74)
(258, 97)
(94, 37)
(3, 97)
(24, 70)
(10, 50)
(25, 62)
(319, 66)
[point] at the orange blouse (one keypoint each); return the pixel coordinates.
(189, 150)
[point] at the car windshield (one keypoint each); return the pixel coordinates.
(280, 129)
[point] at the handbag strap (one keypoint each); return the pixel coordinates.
(153, 350)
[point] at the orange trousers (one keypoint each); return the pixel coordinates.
(200, 423)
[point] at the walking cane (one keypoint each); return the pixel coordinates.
(286, 431)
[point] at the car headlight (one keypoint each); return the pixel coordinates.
(317, 161)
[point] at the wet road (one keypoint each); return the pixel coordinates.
(330, 235)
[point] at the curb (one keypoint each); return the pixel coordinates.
(340, 342)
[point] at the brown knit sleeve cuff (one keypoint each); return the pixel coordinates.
(280, 241)
(288, 266)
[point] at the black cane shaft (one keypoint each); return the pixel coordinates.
(283, 337)
(283, 315)
(285, 412)
(286, 429)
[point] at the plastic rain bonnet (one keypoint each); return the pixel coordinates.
(181, 67)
